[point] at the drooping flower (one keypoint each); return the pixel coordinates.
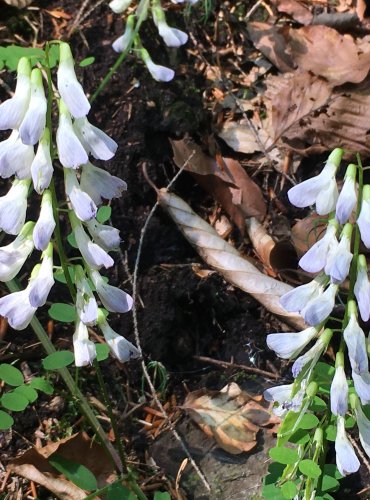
(361, 382)
(16, 308)
(319, 308)
(42, 279)
(104, 235)
(289, 345)
(113, 299)
(347, 198)
(363, 220)
(12, 111)
(83, 206)
(347, 461)
(315, 259)
(69, 88)
(124, 40)
(87, 308)
(100, 184)
(297, 299)
(363, 424)
(356, 342)
(312, 355)
(172, 37)
(321, 190)
(121, 348)
(45, 224)
(362, 288)
(340, 257)
(14, 255)
(119, 6)
(339, 388)
(94, 140)
(33, 123)
(85, 351)
(71, 152)
(15, 157)
(42, 166)
(282, 394)
(13, 207)
(158, 72)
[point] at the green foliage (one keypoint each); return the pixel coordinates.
(282, 455)
(65, 313)
(119, 491)
(43, 385)
(310, 468)
(102, 352)
(10, 55)
(87, 61)
(162, 495)
(104, 214)
(6, 421)
(11, 375)
(57, 360)
(289, 490)
(78, 474)
(59, 275)
(72, 240)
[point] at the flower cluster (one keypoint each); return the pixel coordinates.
(172, 37)
(333, 258)
(28, 155)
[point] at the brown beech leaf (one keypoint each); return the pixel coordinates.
(306, 232)
(231, 416)
(228, 183)
(240, 137)
(295, 9)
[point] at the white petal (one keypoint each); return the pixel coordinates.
(311, 356)
(13, 208)
(94, 140)
(362, 385)
(71, 152)
(14, 255)
(314, 260)
(159, 73)
(39, 287)
(363, 425)
(121, 348)
(296, 299)
(326, 199)
(94, 255)
(172, 37)
(279, 394)
(16, 158)
(45, 224)
(82, 204)
(356, 345)
(363, 222)
(13, 110)
(346, 201)
(17, 309)
(85, 351)
(319, 308)
(347, 461)
(289, 345)
(119, 6)
(106, 236)
(42, 167)
(100, 184)
(114, 299)
(33, 124)
(304, 194)
(339, 261)
(362, 293)
(339, 393)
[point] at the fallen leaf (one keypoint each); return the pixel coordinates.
(296, 10)
(240, 136)
(306, 232)
(59, 14)
(232, 417)
(225, 259)
(19, 4)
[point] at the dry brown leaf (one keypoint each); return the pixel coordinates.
(225, 259)
(307, 231)
(230, 416)
(79, 448)
(296, 10)
(229, 183)
(59, 14)
(19, 4)
(240, 137)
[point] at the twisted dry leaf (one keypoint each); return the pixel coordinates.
(20, 4)
(226, 259)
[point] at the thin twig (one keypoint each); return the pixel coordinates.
(137, 334)
(227, 364)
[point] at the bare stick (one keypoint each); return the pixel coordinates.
(227, 364)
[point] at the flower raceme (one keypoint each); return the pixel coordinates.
(28, 154)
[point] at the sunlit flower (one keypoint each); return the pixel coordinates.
(94, 140)
(356, 342)
(362, 288)
(312, 355)
(15, 157)
(42, 279)
(42, 166)
(340, 257)
(119, 6)
(347, 461)
(85, 351)
(363, 425)
(13, 207)
(87, 308)
(321, 189)
(14, 255)
(71, 152)
(83, 206)
(45, 224)
(16, 308)
(159, 73)
(12, 111)
(315, 259)
(347, 198)
(282, 394)
(297, 299)
(172, 37)
(289, 345)
(361, 382)
(319, 308)
(100, 184)
(93, 254)
(363, 220)
(124, 40)
(69, 88)
(113, 299)
(33, 123)
(104, 235)
(339, 388)
(121, 348)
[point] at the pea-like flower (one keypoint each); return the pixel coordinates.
(346, 459)
(363, 220)
(172, 37)
(340, 257)
(362, 288)
(312, 355)
(42, 279)
(315, 259)
(158, 72)
(33, 123)
(319, 308)
(113, 299)
(363, 424)
(13, 207)
(104, 235)
(356, 342)
(15, 157)
(339, 388)
(71, 152)
(347, 197)
(45, 224)
(14, 255)
(87, 308)
(289, 345)
(124, 40)
(84, 349)
(42, 166)
(94, 140)
(16, 308)
(83, 206)
(119, 6)
(297, 299)
(361, 382)
(100, 184)
(121, 348)
(12, 110)
(283, 395)
(321, 190)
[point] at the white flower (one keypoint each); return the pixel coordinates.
(362, 385)
(16, 308)
(159, 73)
(13, 110)
(94, 140)
(363, 220)
(289, 345)
(319, 308)
(85, 351)
(33, 124)
(104, 235)
(282, 394)
(321, 189)
(340, 257)
(42, 166)
(314, 260)
(100, 184)
(113, 299)
(279, 393)
(69, 88)
(71, 152)
(87, 308)
(121, 348)
(119, 6)
(347, 461)
(45, 224)
(363, 425)
(362, 288)
(172, 37)
(15, 157)
(42, 280)
(312, 355)
(297, 299)
(347, 198)
(13, 207)
(82, 204)
(356, 343)
(122, 42)
(14, 255)
(339, 392)
(93, 254)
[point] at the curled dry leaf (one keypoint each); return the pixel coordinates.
(240, 136)
(226, 259)
(294, 9)
(232, 417)
(306, 232)
(228, 183)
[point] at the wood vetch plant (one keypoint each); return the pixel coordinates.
(323, 401)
